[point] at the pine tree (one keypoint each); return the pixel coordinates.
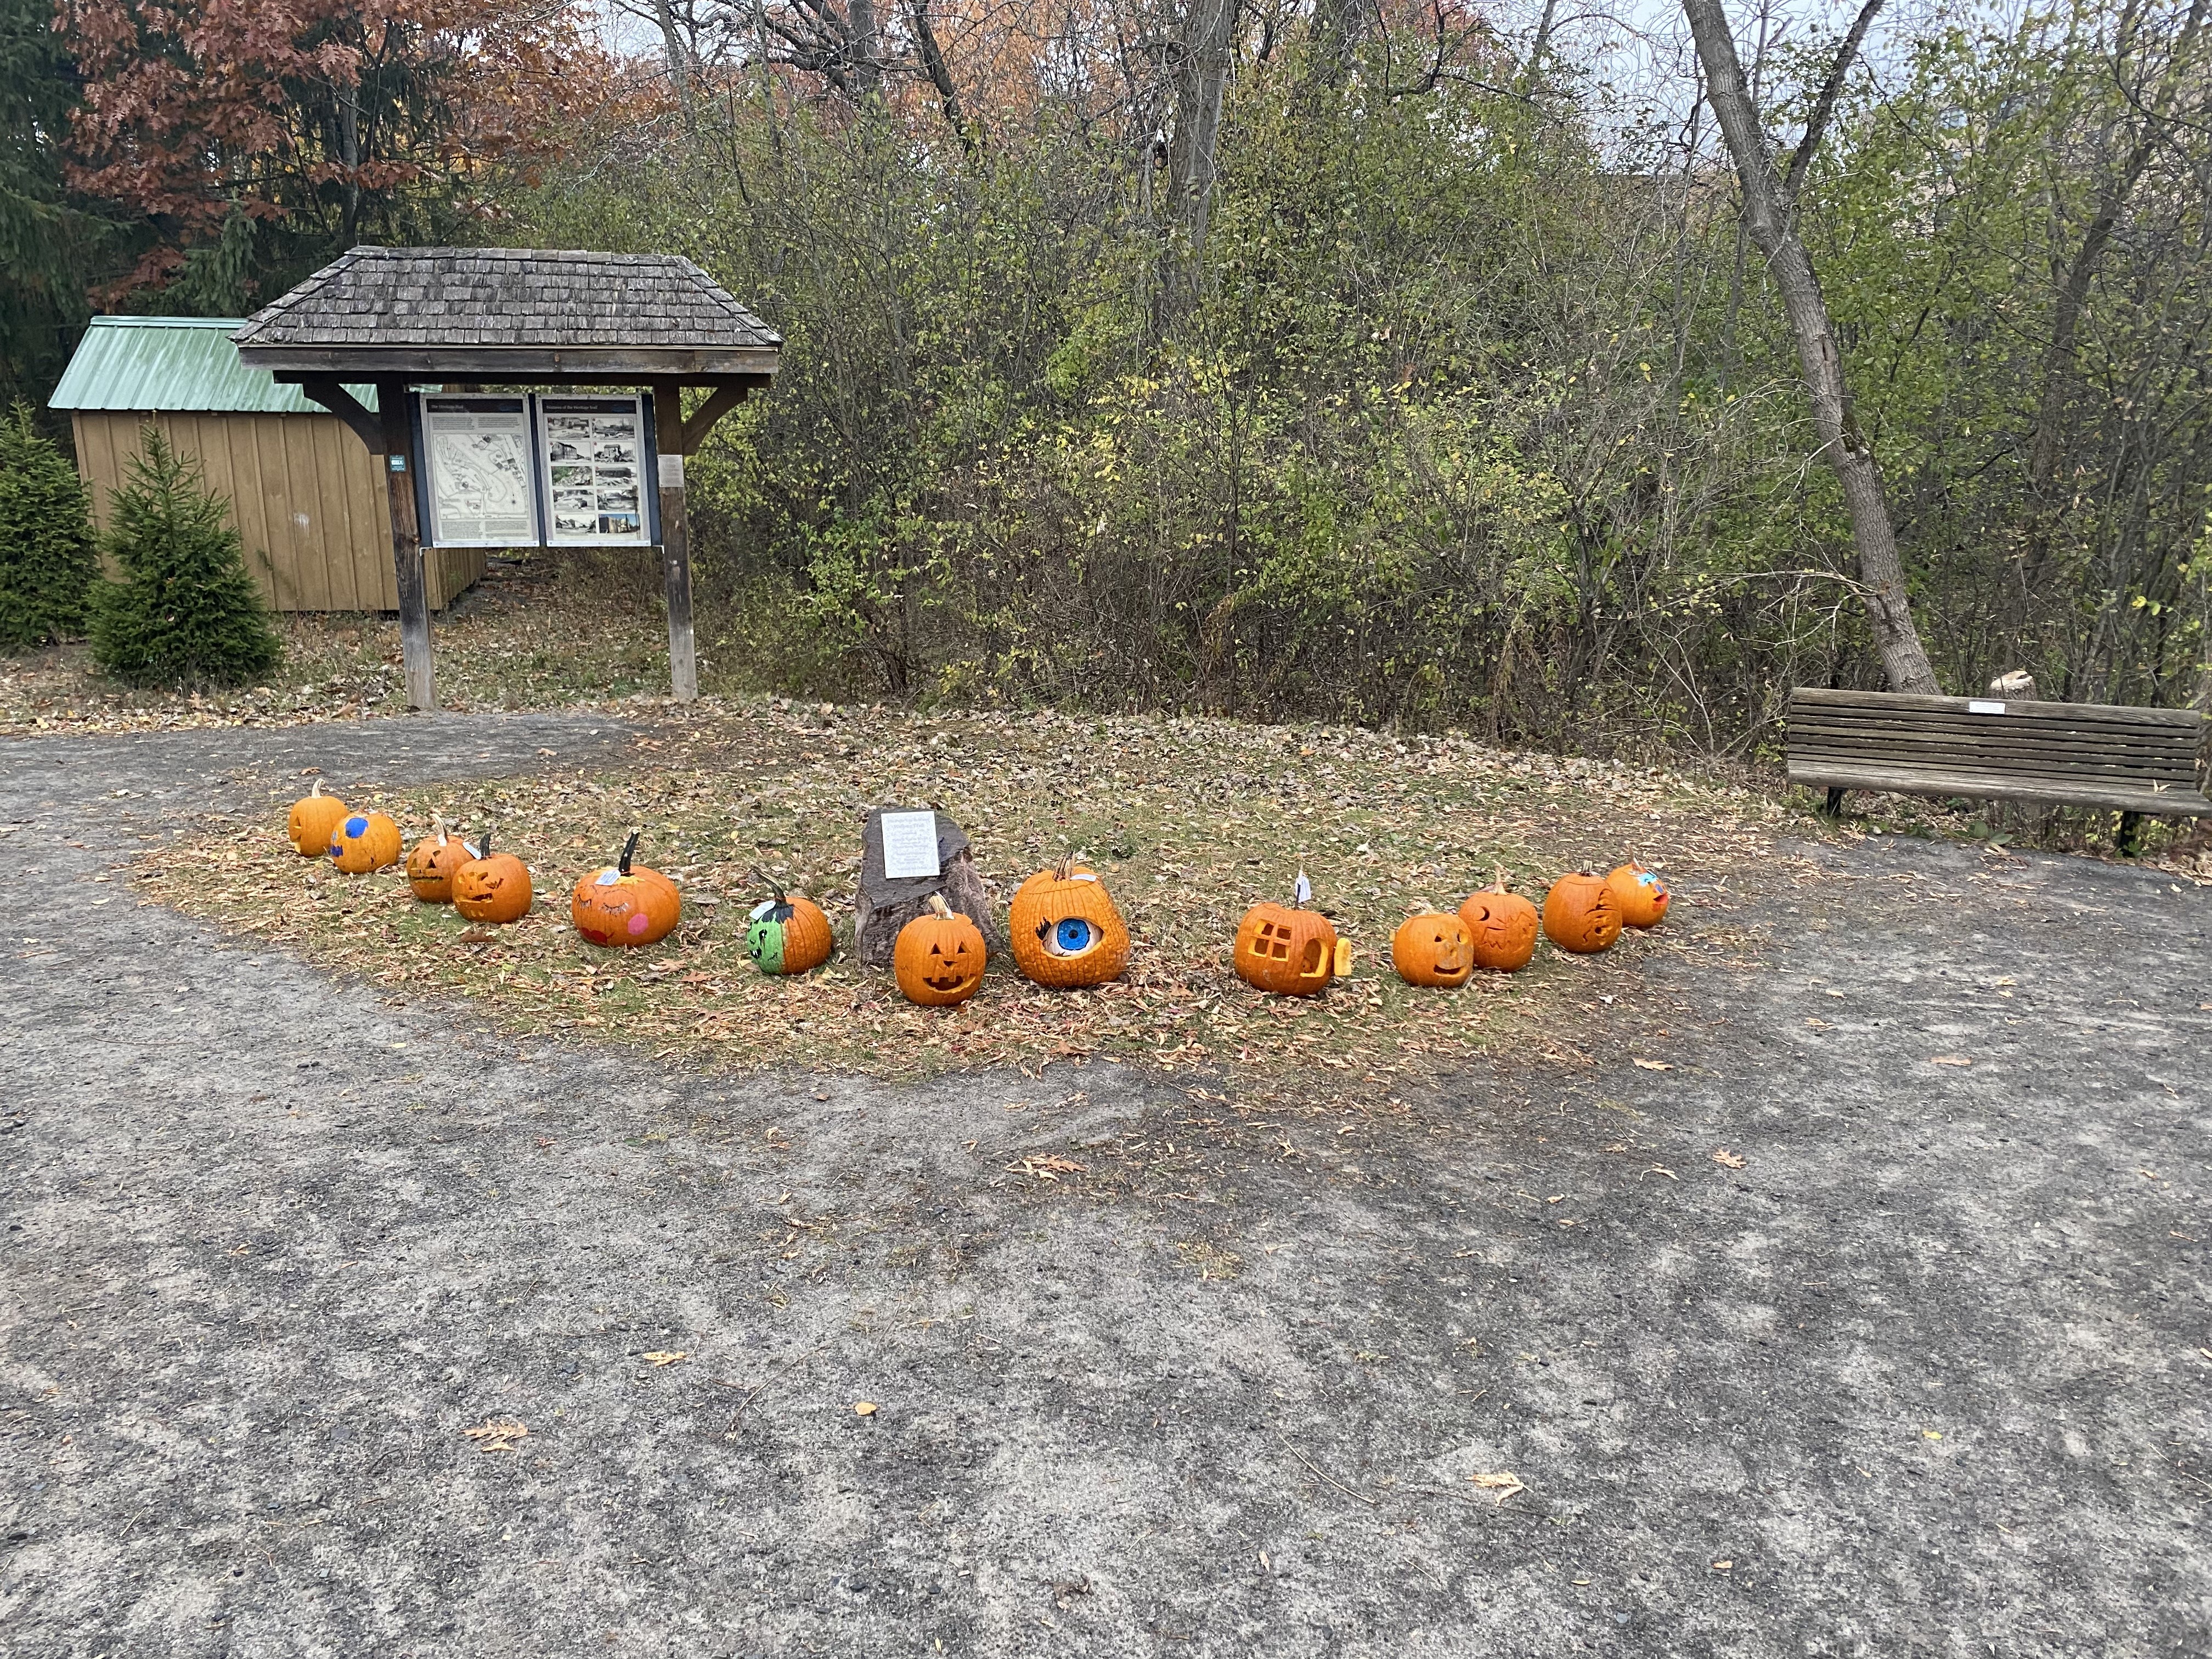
(185, 613)
(47, 558)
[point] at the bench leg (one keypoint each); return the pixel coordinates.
(2130, 827)
(1834, 809)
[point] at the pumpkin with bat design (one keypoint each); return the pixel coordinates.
(938, 959)
(788, 935)
(492, 887)
(1066, 930)
(314, 823)
(1502, 928)
(364, 842)
(1293, 952)
(431, 865)
(1581, 915)
(1641, 895)
(626, 903)
(1433, 948)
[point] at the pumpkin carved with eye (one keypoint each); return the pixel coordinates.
(1066, 930)
(493, 887)
(364, 842)
(788, 935)
(1581, 915)
(1291, 953)
(1501, 928)
(1433, 948)
(626, 903)
(938, 960)
(314, 823)
(430, 866)
(1640, 894)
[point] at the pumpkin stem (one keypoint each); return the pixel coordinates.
(483, 843)
(630, 848)
(1065, 868)
(761, 878)
(317, 790)
(938, 907)
(438, 824)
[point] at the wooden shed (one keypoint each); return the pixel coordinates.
(308, 501)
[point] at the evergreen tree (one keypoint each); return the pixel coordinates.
(185, 613)
(47, 559)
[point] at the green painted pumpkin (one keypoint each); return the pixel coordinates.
(788, 934)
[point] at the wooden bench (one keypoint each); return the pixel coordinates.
(2137, 762)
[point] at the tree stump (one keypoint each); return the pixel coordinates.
(887, 904)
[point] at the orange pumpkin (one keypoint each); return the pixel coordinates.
(365, 841)
(493, 886)
(626, 903)
(1066, 930)
(788, 935)
(430, 866)
(1640, 894)
(1501, 928)
(1292, 953)
(1432, 948)
(313, 825)
(1581, 915)
(938, 958)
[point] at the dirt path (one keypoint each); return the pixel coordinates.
(1929, 1373)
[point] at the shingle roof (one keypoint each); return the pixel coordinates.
(182, 363)
(518, 304)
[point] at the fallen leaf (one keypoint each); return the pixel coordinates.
(497, 1436)
(1661, 1168)
(1931, 1434)
(1949, 1059)
(1050, 1168)
(667, 1359)
(1728, 1159)
(1503, 1483)
(1722, 1566)
(864, 1408)
(1655, 1065)
(478, 936)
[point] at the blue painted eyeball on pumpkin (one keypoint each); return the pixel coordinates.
(1070, 937)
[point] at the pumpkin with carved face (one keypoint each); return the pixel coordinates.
(626, 903)
(1640, 894)
(430, 866)
(494, 887)
(1432, 948)
(788, 935)
(314, 823)
(1581, 915)
(1501, 928)
(938, 958)
(1066, 930)
(1292, 953)
(364, 842)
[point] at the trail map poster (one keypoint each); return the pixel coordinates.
(476, 453)
(594, 457)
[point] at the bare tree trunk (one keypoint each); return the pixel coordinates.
(679, 60)
(1337, 28)
(1202, 73)
(940, 77)
(1767, 215)
(866, 34)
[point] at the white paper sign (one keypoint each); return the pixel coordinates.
(593, 453)
(478, 451)
(910, 844)
(1975, 706)
(672, 471)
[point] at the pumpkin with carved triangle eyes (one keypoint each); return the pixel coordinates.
(314, 823)
(788, 935)
(430, 866)
(1501, 928)
(938, 958)
(1432, 948)
(1066, 930)
(364, 842)
(494, 887)
(626, 903)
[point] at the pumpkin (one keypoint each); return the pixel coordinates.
(788, 935)
(365, 841)
(1581, 915)
(492, 886)
(1433, 948)
(626, 903)
(1294, 953)
(430, 866)
(937, 959)
(1066, 930)
(1641, 895)
(314, 822)
(1501, 928)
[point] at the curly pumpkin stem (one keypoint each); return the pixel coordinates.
(438, 824)
(630, 848)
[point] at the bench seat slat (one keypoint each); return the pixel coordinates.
(2001, 786)
(1808, 696)
(2168, 768)
(2133, 740)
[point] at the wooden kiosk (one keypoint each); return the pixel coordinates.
(462, 318)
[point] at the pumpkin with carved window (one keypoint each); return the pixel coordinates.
(626, 903)
(1291, 953)
(938, 957)
(1066, 930)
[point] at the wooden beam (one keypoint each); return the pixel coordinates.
(333, 396)
(724, 398)
(397, 409)
(675, 545)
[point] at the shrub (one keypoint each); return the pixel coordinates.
(46, 557)
(185, 613)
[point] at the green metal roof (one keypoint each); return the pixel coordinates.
(184, 363)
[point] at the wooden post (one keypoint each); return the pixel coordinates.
(675, 541)
(395, 407)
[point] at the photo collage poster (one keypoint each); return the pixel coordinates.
(476, 453)
(595, 458)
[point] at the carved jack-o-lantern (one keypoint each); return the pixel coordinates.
(1581, 915)
(1292, 953)
(314, 823)
(937, 959)
(430, 866)
(364, 842)
(788, 935)
(1432, 948)
(625, 904)
(493, 888)
(1066, 930)
(1640, 894)
(1501, 928)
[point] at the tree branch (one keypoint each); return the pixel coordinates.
(1824, 107)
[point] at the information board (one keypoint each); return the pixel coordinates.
(478, 476)
(594, 455)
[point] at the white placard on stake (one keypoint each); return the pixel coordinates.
(910, 845)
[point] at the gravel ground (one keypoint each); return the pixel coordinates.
(1928, 1374)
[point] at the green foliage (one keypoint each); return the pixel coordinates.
(185, 613)
(46, 557)
(48, 244)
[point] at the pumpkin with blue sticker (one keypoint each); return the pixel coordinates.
(363, 842)
(626, 903)
(1066, 932)
(1641, 895)
(788, 934)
